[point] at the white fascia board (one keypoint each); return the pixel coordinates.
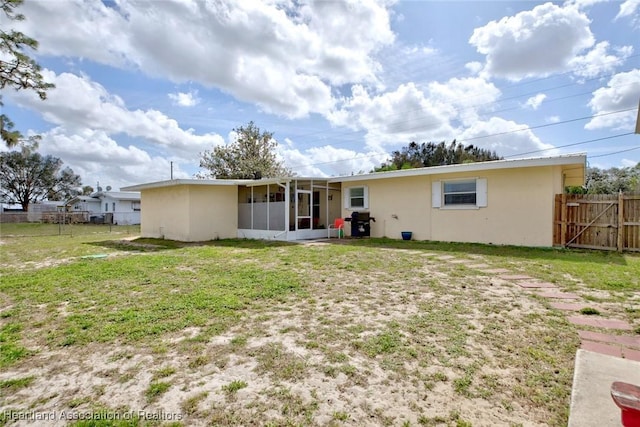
(259, 182)
(176, 182)
(217, 182)
(285, 180)
(569, 159)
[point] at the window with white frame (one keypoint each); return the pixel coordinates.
(459, 193)
(135, 206)
(357, 198)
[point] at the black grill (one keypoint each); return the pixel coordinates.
(360, 224)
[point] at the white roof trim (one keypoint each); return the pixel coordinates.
(176, 182)
(219, 182)
(569, 159)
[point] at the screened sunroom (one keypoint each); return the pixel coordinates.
(287, 209)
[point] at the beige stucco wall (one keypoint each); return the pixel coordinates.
(519, 208)
(213, 212)
(165, 213)
(190, 213)
(408, 198)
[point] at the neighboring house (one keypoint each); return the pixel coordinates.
(112, 207)
(499, 202)
(84, 204)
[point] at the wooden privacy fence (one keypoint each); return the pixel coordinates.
(597, 221)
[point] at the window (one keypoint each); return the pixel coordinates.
(113, 205)
(135, 206)
(357, 198)
(106, 207)
(461, 193)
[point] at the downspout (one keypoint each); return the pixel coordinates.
(252, 202)
(326, 204)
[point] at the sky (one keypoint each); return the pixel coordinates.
(144, 85)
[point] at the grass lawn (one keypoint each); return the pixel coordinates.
(240, 332)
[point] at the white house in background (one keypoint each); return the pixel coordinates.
(84, 204)
(111, 207)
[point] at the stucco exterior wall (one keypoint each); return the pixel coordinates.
(165, 213)
(519, 210)
(190, 213)
(407, 198)
(519, 207)
(213, 212)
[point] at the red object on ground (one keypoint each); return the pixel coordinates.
(627, 397)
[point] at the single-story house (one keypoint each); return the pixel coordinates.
(499, 202)
(111, 207)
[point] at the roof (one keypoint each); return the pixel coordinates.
(76, 199)
(219, 182)
(176, 182)
(96, 197)
(119, 195)
(569, 159)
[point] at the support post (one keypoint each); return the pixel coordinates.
(563, 220)
(620, 221)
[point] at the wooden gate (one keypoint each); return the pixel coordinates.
(597, 221)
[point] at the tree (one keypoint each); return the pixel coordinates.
(252, 155)
(28, 177)
(7, 134)
(417, 155)
(17, 69)
(613, 180)
(609, 181)
(87, 190)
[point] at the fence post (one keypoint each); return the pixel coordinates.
(563, 221)
(620, 221)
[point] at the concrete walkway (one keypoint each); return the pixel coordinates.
(591, 403)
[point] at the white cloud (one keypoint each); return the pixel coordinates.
(533, 43)
(597, 61)
(331, 161)
(505, 137)
(584, 4)
(474, 67)
(93, 107)
(96, 157)
(412, 114)
(535, 101)
(553, 119)
(185, 99)
(621, 93)
(468, 96)
(84, 132)
(399, 116)
(629, 8)
(628, 163)
(282, 55)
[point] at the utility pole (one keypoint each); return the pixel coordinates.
(638, 119)
(171, 170)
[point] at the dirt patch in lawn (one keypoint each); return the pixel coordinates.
(407, 340)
